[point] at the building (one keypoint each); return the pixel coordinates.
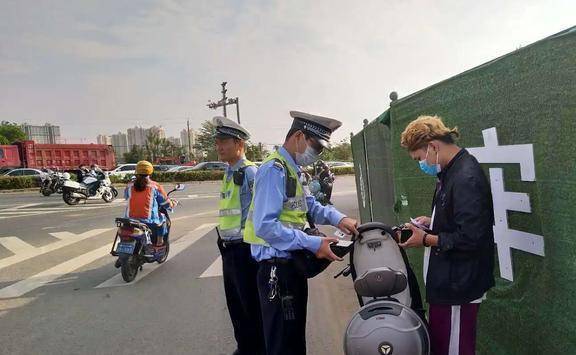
(185, 139)
(159, 131)
(104, 139)
(175, 140)
(47, 134)
(137, 137)
(119, 142)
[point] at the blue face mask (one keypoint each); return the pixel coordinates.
(428, 169)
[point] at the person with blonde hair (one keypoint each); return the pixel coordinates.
(458, 237)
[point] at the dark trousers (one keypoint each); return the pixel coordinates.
(284, 317)
(453, 329)
(239, 272)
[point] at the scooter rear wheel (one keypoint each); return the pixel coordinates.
(69, 199)
(165, 257)
(129, 267)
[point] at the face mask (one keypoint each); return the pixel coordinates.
(308, 157)
(427, 168)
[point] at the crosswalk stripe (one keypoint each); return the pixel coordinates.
(66, 239)
(23, 287)
(214, 270)
(16, 245)
(175, 248)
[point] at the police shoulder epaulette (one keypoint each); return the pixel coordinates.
(278, 164)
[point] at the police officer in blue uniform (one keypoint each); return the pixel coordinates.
(239, 269)
(275, 227)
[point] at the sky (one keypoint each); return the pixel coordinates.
(100, 67)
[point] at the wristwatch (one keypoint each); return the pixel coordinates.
(424, 239)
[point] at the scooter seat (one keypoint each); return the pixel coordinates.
(130, 222)
(380, 282)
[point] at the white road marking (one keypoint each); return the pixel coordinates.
(20, 212)
(16, 245)
(214, 270)
(29, 284)
(66, 239)
(176, 248)
(195, 215)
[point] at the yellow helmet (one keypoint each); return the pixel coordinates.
(144, 167)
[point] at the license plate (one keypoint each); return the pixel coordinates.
(126, 248)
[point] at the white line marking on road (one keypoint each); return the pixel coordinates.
(21, 206)
(176, 248)
(23, 287)
(214, 270)
(195, 215)
(16, 245)
(67, 238)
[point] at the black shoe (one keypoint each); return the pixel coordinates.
(118, 263)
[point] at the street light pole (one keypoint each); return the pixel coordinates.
(224, 97)
(226, 101)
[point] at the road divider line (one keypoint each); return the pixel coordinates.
(176, 248)
(66, 238)
(16, 245)
(27, 285)
(214, 270)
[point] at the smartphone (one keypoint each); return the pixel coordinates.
(405, 234)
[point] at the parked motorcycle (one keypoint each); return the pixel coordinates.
(322, 190)
(53, 183)
(92, 187)
(132, 239)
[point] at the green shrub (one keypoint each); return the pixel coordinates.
(200, 175)
(17, 182)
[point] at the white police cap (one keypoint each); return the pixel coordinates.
(226, 128)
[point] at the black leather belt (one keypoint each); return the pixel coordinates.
(277, 261)
(229, 243)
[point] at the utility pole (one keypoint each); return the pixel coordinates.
(226, 101)
(189, 143)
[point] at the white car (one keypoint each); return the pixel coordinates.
(123, 170)
(26, 172)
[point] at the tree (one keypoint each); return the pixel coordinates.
(255, 152)
(135, 155)
(206, 142)
(10, 133)
(341, 151)
(154, 146)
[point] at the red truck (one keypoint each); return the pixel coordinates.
(27, 154)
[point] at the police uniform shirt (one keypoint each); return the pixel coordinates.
(269, 196)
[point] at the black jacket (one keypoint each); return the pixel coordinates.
(462, 265)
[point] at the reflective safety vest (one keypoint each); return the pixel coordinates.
(294, 210)
(230, 214)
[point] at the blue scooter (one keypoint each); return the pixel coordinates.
(134, 243)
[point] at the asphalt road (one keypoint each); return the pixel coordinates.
(60, 293)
